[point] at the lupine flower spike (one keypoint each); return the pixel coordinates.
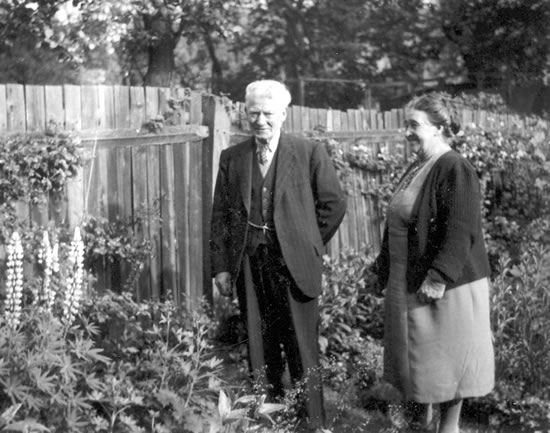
(14, 280)
(74, 292)
(46, 259)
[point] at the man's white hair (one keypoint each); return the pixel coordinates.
(268, 89)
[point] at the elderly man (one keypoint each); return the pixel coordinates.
(277, 202)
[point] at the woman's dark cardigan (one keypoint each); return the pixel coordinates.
(445, 235)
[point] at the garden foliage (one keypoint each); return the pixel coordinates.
(106, 363)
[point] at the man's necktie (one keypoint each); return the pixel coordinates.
(262, 153)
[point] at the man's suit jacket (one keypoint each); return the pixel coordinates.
(308, 203)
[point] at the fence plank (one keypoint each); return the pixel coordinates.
(322, 119)
(296, 118)
(195, 224)
(168, 221)
(344, 121)
(73, 103)
(305, 118)
(90, 107)
(181, 191)
(55, 113)
(151, 103)
(107, 107)
(121, 101)
(122, 181)
(137, 107)
(15, 102)
(195, 112)
(3, 109)
(153, 202)
(336, 120)
(141, 214)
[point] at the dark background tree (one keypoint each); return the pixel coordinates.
(332, 54)
(500, 40)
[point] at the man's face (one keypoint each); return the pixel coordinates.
(266, 117)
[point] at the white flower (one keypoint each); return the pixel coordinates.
(75, 278)
(14, 280)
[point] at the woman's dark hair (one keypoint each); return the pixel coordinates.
(439, 111)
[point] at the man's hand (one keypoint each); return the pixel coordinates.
(373, 283)
(223, 283)
(430, 291)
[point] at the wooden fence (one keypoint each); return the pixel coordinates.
(171, 173)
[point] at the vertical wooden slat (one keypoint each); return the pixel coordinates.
(140, 209)
(195, 112)
(90, 107)
(164, 96)
(344, 121)
(55, 113)
(373, 119)
(364, 115)
(352, 120)
(154, 199)
(313, 119)
(121, 96)
(107, 110)
(388, 119)
(123, 200)
(3, 109)
(151, 103)
(168, 220)
(36, 121)
(73, 102)
(380, 121)
(305, 118)
(196, 222)
(336, 120)
(296, 119)
(322, 119)
(15, 102)
(181, 182)
(329, 121)
(35, 108)
(137, 107)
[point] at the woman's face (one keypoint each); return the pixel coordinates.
(422, 134)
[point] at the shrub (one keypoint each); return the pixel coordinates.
(50, 369)
(165, 376)
(351, 322)
(521, 326)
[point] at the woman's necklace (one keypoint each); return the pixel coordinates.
(415, 167)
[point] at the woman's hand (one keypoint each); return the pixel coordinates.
(224, 284)
(430, 291)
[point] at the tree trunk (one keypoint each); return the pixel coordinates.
(161, 63)
(217, 71)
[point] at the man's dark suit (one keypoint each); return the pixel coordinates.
(308, 206)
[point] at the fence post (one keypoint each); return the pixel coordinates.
(218, 121)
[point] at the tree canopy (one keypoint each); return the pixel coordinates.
(328, 52)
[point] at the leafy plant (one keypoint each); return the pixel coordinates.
(36, 164)
(49, 368)
(521, 327)
(116, 242)
(164, 364)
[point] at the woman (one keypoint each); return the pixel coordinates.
(434, 266)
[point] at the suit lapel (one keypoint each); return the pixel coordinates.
(245, 173)
(285, 164)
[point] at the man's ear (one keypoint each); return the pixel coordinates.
(284, 113)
